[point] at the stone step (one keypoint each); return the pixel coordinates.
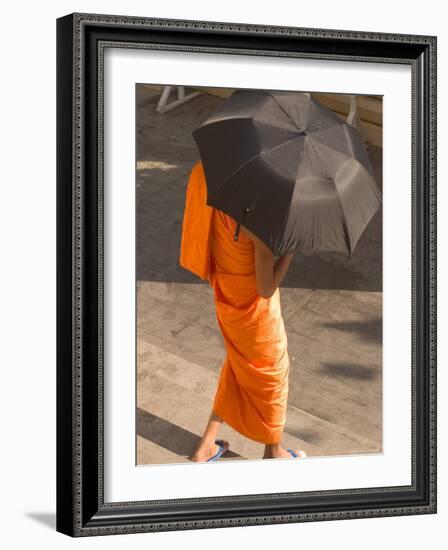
(174, 399)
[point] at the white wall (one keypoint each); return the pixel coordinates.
(27, 224)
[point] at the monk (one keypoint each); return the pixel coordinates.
(252, 389)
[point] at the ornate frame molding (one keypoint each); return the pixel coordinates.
(82, 38)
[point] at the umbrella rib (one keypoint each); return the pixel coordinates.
(336, 122)
(324, 146)
(345, 225)
(283, 109)
(257, 155)
(344, 217)
(321, 157)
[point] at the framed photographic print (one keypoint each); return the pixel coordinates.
(246, 274)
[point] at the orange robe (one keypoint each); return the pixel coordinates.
(252, 390)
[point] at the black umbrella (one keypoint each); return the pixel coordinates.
(288, 169)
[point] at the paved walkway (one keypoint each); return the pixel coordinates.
(332, 307)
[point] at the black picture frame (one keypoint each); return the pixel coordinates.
(81, 510)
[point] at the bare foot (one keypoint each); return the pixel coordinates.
(277, 451)
(206, 451)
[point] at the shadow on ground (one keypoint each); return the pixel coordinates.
(367, 331)
(170, 436)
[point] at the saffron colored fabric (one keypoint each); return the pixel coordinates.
(252, 390)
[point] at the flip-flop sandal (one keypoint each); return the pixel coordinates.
(295, 455)
(222, 449)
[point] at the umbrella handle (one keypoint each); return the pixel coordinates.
(240, 221)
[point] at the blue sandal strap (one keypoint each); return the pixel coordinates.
(218, 453)
(293, 453)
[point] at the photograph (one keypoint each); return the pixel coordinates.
(258, 274)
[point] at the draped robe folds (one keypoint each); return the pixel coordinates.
(252, 389)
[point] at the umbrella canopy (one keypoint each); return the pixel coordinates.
(288, 169)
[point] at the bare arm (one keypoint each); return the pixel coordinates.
(269, 271)
(281, 268)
